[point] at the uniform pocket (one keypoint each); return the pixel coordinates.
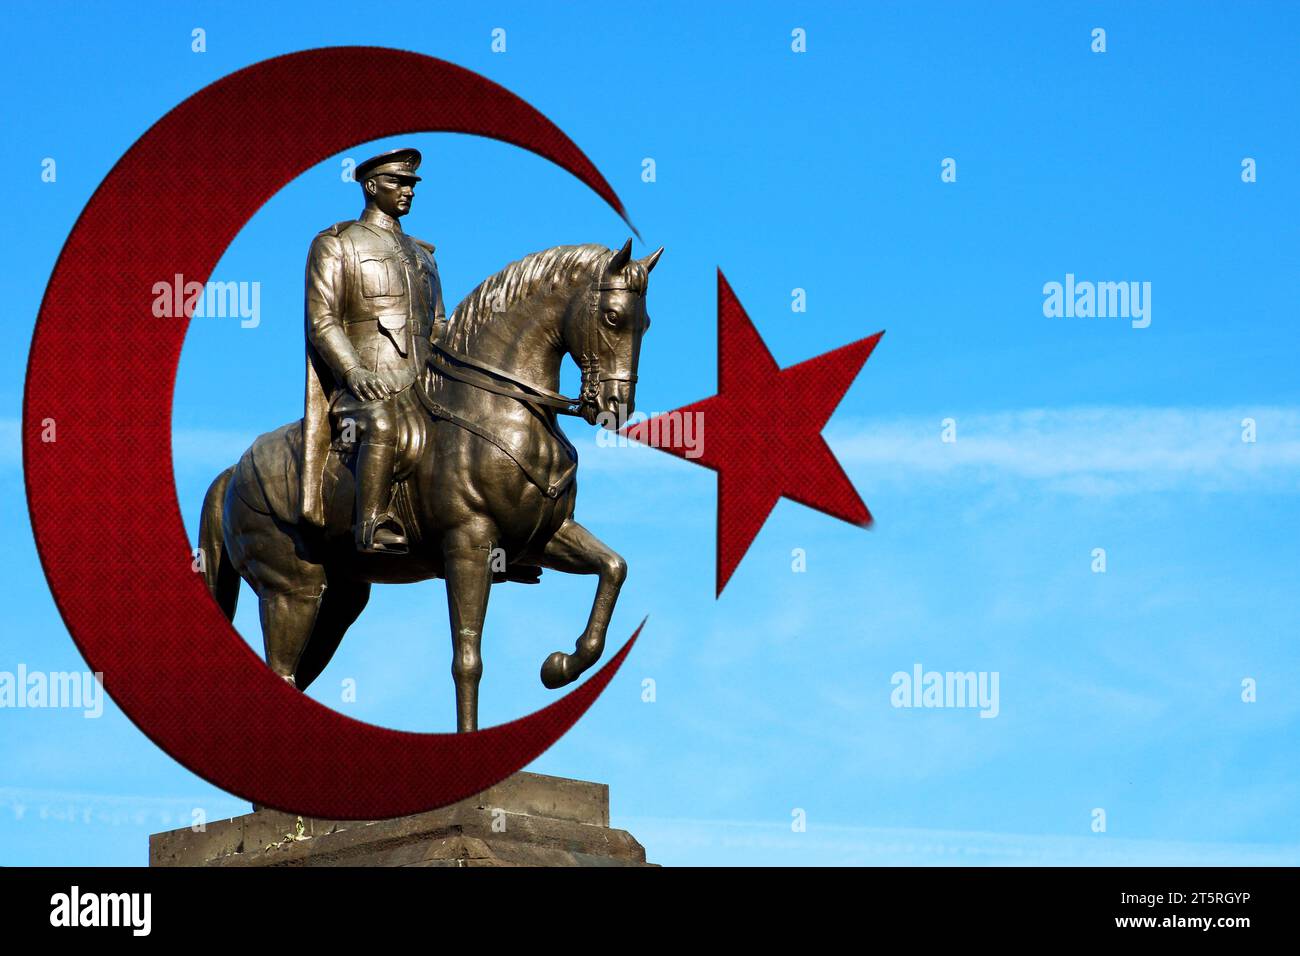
(381, 277)
(374, 277)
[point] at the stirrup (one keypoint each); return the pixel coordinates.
(382, 535)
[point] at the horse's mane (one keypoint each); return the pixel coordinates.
(536, 272)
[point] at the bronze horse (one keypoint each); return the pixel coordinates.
(485, 475)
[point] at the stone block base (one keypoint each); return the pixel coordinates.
(526, 820)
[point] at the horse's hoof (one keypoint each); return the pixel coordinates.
(555, 671)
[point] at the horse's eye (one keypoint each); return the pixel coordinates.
(611, 317)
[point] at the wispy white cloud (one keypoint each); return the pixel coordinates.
(1086, 451)
(747, 842)
(212, 448)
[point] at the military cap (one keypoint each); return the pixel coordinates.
(395, 162)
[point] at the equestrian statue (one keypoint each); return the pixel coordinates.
(429, 447)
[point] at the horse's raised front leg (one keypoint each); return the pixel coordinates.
(576, 550)
(467, 567)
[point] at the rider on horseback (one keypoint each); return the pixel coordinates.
(373, 303)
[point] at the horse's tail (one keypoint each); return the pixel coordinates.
(218, 572)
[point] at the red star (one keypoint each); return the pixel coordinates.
(762, 432)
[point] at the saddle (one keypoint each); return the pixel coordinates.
(266, 477)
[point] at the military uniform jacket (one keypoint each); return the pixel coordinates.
(373, 297)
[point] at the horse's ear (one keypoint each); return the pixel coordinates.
(649, 261)
(622, 257)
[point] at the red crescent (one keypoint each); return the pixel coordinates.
(103, 496)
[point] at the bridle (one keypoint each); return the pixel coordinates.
(594, 334)
(471, 371)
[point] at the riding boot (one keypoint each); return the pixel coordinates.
(377, 530)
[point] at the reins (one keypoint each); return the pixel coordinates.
(476, 372)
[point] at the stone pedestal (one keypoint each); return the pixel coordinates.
(526, 820)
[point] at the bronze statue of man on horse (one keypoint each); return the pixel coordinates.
(429, 447)
(373, 302)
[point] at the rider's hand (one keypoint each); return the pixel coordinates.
(367, 385)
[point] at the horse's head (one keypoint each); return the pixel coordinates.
(603, 335)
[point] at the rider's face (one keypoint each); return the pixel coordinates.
(391, 194)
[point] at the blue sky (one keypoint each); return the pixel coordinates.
(821, 170)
